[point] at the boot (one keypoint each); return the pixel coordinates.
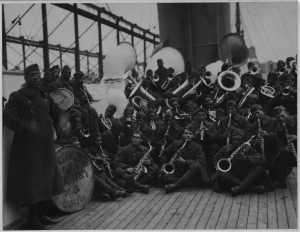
(43, 218)
(257, 189)
(33, 222)
(280, 184)
(115, 194)
(170, 188)
(235, 191)
(250, 179)
(101, 196)
(142, 188)
(130, 184)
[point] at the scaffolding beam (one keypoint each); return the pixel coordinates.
(45, 37)
(77, 61)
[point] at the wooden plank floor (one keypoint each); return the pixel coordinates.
(191, 208)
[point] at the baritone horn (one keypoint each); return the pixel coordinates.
(140, 97)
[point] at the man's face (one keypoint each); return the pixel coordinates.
(67, 74)
(33, 79)
(150, 118)
(178, 81)
(168, 120)
(231, 110)
(192, 81)
(191, 110)
(282, 117)
(160, 63)
(79, 80)
(48, 76)
(259, 114)
(136, 139)
(98, 142)
(219, 116)
(146, 86)
(56, 73)
(287, 83)
(209, 104)
(271, 81)
(175, 104)
(202, 71)
(252, 67)
(236, 141)
(108, 112)
(248, 83)
(128, 114)
(189, 66)
(187, 134)
(201, 116)
(76, 144)
(149, 74)
(249, 103)
(140, 121)
(150, 108)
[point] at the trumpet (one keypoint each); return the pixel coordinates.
(179, 116)
(168, 81)
(229, 122)
(286, 90)
(106, 122)
(85, 132)
(154, 79)
(165, 142)
(169, 168)
(140, 168)
(224, 165)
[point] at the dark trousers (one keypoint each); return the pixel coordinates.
(280, 165)
(244, 180)
(209, 153)
(189, 177)
(103, 183)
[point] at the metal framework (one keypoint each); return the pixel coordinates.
(97, 18)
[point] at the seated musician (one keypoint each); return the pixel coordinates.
(153, 82)
(167, 134)
(127, 160)
(55, 70)
(141, 125)
(104, 124)
(127, 121)
(210, 108)
(220, 113)
(246, 167)
(230, 123)
(182, 118)
(103, 174)
(113, 139)
(47, 83)
(287, 144)
(287, 97)
(205, 132)
(189, 163)
(82, 94)
(246, 111)
(265, 143)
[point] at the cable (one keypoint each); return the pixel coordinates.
(59, 24)
(258, 32)
(287, 33)
(19, 54)
(114, 20)
(265, 30)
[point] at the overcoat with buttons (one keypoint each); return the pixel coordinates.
(33, 170)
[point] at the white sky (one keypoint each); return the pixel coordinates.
(271, 27)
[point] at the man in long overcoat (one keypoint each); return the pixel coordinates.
(33, 171)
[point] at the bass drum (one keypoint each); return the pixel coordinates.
(63, 97)
(77, 173)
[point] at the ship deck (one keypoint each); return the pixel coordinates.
(190, 208)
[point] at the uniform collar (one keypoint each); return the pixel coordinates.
(265, 120)
(25, 90)
(133, 148)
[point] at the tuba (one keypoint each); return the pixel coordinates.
(229, 81)
(224, 165)
(140, 97)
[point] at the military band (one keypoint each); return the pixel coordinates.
(178, 130)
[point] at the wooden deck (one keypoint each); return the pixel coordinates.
(191, 208)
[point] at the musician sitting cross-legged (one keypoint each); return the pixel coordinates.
(188, 166)
(106, 120)
(246, 166)
(231, 123)
(265, 143)
(130, 162)
(286, 135)
(204, 137)
(103, 182)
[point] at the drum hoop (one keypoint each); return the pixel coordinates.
(72, 100)
(92, 189)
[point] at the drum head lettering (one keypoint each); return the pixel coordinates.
(77, 174)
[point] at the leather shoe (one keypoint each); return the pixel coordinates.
(101, 196)
(170, 188)
(35, 224)
(257, 189)
(280, 184)
(145, 188)
(47, 221)
(235, 191)
(117, 194)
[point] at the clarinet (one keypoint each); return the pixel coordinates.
(229, 122)
(107, 164)
(202, 132)
(290, 146)
(94, 162)
(165, 143)
(260, 138)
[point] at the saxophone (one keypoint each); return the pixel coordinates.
(260, 139)
(290, 146)
(169, 168)
(165, 143)
(229, 122)
(140, 168)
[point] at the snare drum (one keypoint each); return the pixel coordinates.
(63, 97)
(77, 173)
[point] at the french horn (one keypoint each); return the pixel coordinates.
(267, 90)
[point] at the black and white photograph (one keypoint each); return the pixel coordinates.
(149, 115)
